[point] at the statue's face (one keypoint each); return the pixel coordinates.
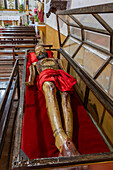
(40, 52)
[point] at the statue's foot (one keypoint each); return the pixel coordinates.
(68, 149)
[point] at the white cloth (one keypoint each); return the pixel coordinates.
(11, 18)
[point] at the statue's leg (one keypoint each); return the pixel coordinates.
(62, 142)
(67, 114)
(31, 76)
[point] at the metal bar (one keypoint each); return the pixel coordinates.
(77, 50)
(86, 96)
(65, 40)
(103, 8)
(94, 46)
(58, 30)
(99, 71)
(13, 55)
(65, 21)
(91, 29)
(96, 30)
(20, 114)
(18, 82)
(102, 133)
(4, 124)
(76, 20)
(11, 138)
(63, 162)
(2, 104)
(103, 23)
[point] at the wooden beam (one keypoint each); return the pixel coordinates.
(103, 8)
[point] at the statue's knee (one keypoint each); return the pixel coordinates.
(49, 85)
(65, 94)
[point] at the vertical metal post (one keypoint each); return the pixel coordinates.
(58, 30)
(27, 9)
(87, 88)
(13, 55)
(111, 51)
(18, 83)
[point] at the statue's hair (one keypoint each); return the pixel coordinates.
(39, 48)
(38, 45)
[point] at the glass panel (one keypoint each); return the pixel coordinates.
(95, 107)
(80, 85)
(105, 79)
(88, 59)
(71, 45)
(64, 62)
(75, 32)
(88, 20)
(98, 39)
(108, 19)
(108, 125)
(68, 19)
(111, 85)
(63, 29)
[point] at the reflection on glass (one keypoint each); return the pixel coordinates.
(88, 20)
(63, 28)
(95, 107)
(108, 19)
(80, 86)
(68, 19)
(98, 39)
(71, 46)
(105, 79)
(75, 32)
(88, 59)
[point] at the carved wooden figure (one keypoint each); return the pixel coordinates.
(63, 135)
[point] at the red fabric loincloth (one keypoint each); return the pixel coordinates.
(37, 136)
(62, 80)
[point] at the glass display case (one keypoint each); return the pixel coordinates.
(87, 55)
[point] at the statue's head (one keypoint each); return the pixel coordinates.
(40, 52)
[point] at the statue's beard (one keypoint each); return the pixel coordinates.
(43, 55)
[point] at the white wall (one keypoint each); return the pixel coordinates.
(83, 3)
(51, 21)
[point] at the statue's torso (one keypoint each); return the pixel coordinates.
(47, 63)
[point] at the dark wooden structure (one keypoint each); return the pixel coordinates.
(92, 86)
(9, 82)
(18, 35)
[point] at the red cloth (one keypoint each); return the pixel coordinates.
(31, 57)
(62, 80)
(37, 136)
(40, 16)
